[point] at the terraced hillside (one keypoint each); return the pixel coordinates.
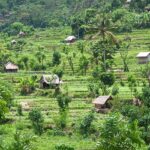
(76, 84)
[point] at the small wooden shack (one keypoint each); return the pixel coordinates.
(49, 81)
(136, 102)
(22, 34)
(13, 42)
(128, 1)
(147, 8)
(70, 39)
(10, 67)
(143, 57)
(101, 102)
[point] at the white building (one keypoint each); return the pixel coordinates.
(143, 57)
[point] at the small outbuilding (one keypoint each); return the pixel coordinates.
(13, 42)
(143, 57)
(137, 102)
(102, 102)
(128, 1)
(25, 105)
(22, 34)
(50, 81)
(147, 8)
(10, 67)
(70, 39)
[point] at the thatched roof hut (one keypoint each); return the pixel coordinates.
(102, 102)
(10, 67)
(22, 34)
(128, 1)
(137, 102)
(13, 42)
(147, 8)
(70, 39)
(49, 81)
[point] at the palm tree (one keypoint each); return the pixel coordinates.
(103, 28)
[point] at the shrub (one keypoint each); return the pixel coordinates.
(117, 133)
(56, 60)
(6, 92)
(63, 101)
(122, 83)
(58, 71)
(16, 27)
(19, 110)
(56, 132)
(93, 90)
(21, 142)
(27, 85)
(107, 78)
(63, 147)
(115, 90)
(5, 129)
(86, 124)
(3, 109)
(37, 121)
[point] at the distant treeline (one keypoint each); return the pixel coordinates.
(55, 13)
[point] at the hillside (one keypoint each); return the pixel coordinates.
(49, 13)
(77, 86)
(86, 93)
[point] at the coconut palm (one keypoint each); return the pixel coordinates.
(102, 29)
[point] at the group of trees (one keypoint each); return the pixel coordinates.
(140, 114)
(113, 13)
(6, 99)
(117, 133)
(47, 13)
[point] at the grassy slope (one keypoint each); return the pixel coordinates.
(77, 86)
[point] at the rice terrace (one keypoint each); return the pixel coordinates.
(74, 75)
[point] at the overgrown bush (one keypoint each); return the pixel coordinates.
(63, 147)
(3, 109)
(6, 97)
(56, 60)
(6, 92)
(63, 101)
(16, 27)
(19, 110)
(86, 123)
(20, 142)
(37, 121)
(93, 90)
(28, 85)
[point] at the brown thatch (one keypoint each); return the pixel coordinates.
(22, 34)
(101, 100)
(128, 1)
(10, 67)
(13, 42)
(70, 39)
(147, 8)
(137, 102)
(49, 80)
